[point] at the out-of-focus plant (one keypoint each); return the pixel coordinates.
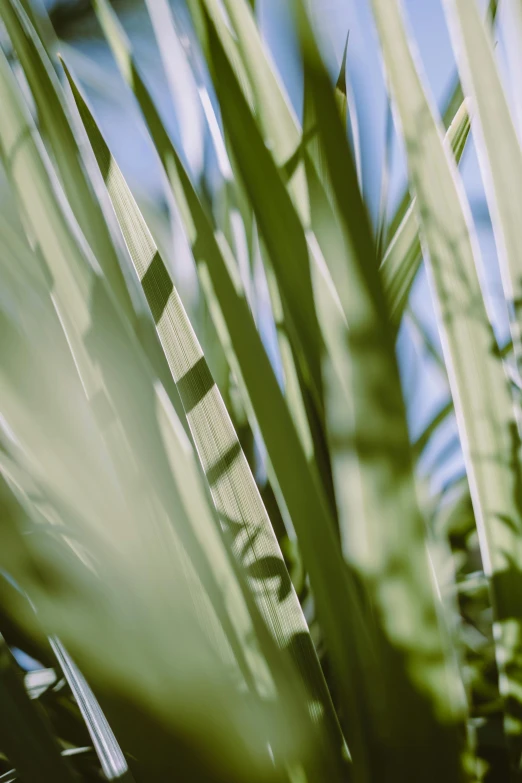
(185, 621)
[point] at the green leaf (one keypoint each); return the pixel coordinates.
(376, 488)
(228, 39)
(180, 80)
(403, 255)
(499, 154)
(87, 210)
(26, 737)
(281, 231)
(56, 126)
(281, 133)
(270, 103)
(96, 330)
(279, 125)
(231, 483)
(340, 85)
(105, 743)
(147, 511)
(452, 106)
(479, 387)
(120, 612)
(440, 417)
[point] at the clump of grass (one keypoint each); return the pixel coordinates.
(142, 563)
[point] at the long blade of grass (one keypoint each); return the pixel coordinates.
(478, 383)
(341, 97)
(403, 255)
(232, 486)
(282, 134)
(109, 752)
(180, 81)
(218, 449)
(382, 217)
(282, 233)
(92, 320)
(93, 324)
(292, 385)
(49, 100)
(414, 667)
(122, 622)
(37, 420)
(215, 9)
(498, 150)
(453, 104)
(235, 115)
(279, 124)
(26, 737)
(46, 90)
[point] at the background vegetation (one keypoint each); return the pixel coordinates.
(226, 553)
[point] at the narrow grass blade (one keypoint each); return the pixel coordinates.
(340, 86)
(293, 391)
(318, 184)
(47, 93)
(122, 623)
(232, 486)
(49, 100)
(109, 752)
(382, 217)
(403, 255)
(414, 667)
(123, 402)
(180, 81)
(280, 131)
(499, 153)
(453, 104)
(422, 441)
(284, 239)
(215, 10)
(278, 123)
(95, 327)
(483, 404)
(26, 737)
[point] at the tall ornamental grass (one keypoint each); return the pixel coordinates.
(216, 549)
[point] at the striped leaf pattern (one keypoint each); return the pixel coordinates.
(236, 497)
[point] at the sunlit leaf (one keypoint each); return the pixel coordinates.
(479, 387)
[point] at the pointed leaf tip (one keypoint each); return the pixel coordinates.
(341, 79)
